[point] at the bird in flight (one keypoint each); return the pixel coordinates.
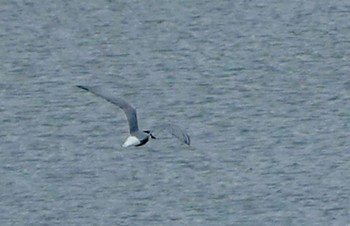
(137, 137)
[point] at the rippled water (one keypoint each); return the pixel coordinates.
(262, 88)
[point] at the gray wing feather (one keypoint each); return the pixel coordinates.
(177, 132)
(129, 111)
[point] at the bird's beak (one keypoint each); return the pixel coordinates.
(150, 134)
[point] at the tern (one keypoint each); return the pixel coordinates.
(136, 137)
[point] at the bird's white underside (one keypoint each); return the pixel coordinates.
(131, 141)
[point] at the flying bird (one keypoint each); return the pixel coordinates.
(137, 137)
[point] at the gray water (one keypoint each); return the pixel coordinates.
(262, 87)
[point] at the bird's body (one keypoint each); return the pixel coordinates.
(134, 141)
(136, 137)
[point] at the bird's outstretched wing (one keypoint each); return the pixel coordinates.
(176, 131)
(129, 111)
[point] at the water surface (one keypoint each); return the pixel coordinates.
(262, 88)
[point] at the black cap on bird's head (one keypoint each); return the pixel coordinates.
(150, 134)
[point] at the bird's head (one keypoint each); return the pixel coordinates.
(150, 134)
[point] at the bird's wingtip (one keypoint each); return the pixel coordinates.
(82, 87)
